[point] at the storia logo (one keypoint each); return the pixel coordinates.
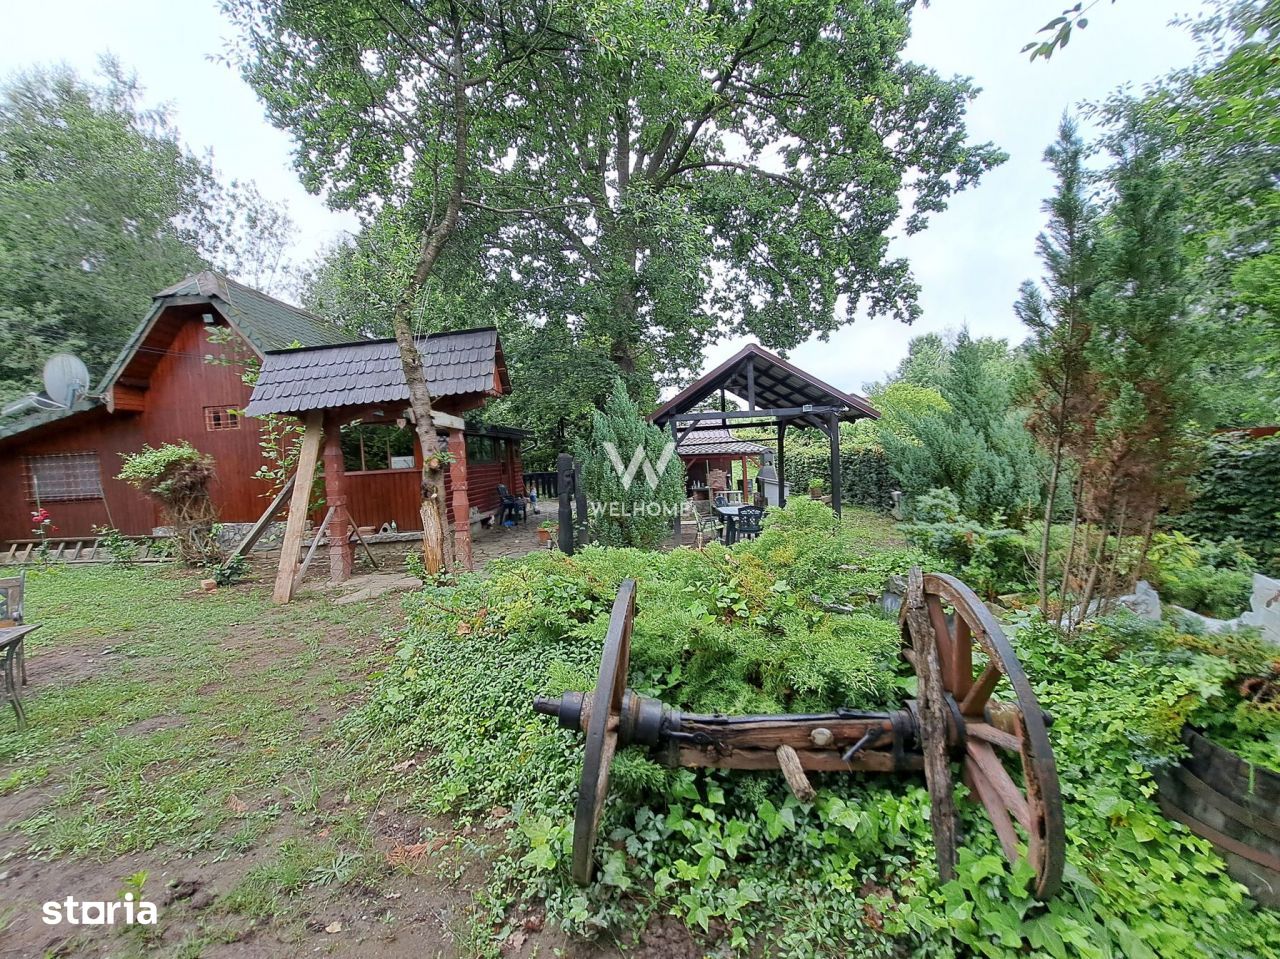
(627, 471)
(94, 913)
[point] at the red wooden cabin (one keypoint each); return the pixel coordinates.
(180, 377)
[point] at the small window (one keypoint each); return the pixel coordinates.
(63, 476)
(219, 418)
(376, 446)
(483, 449)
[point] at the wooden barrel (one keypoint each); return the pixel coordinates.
(1233, 804)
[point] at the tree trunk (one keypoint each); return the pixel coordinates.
(1148, 531)
(1042, 578)
(1069, 562)
(437, 552)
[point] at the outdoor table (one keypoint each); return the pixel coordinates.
(11, 638)
(729, 513)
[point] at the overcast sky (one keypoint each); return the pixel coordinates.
(969, 261)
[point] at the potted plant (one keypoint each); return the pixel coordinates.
(547, 531)
(816, 486)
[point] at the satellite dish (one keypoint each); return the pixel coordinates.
(65, 378)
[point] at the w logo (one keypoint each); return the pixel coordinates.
(627, 471)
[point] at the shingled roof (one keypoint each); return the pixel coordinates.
(369, 372)
(717, 443)
(268, 323)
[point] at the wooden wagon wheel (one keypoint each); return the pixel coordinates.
(995, 732)
(601, 720)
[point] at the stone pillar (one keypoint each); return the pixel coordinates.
(335, 495)
(461, 498)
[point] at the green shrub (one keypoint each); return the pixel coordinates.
(639, 510)
(732, 854)
(990, 559)
(1213, 579)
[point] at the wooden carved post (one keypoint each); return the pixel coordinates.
(564, 483)
(335, 494)
(933, 723)
(582, 529)
(291, 548)
(461, 498)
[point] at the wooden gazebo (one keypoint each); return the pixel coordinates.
(330, 387)
(776, 394)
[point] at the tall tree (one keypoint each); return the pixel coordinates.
(407, 109)
(1216, 125)
(94, 193)
(101, 206)
(1140, 454)
(725, 169)
(1061, 399)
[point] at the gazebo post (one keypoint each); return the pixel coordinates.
(461, 497)
(782, 463)
(833, 431)
(675, 438)
(335, 494)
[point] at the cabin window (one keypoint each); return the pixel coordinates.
(377, 446)
(483, 449)
(63, 476)
(219, 418)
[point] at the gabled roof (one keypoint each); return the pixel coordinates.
(268, 323)
(778, 385)
(369, 372)
(265, 322)
(717, 443)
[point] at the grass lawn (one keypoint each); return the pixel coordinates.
(195, 748)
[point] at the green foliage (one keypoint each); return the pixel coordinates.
(122, 550)
(733, 855)
(992, 560)
(150, 468)
(1214, 579)
(1235, 496)
(630, 507)
(865, 478)
(100, 207)
(230, 571)
(978, 446)
(653, 134)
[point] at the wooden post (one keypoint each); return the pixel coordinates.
(675, 438)
(833, 430)
(260, 527)
(461, 498)
(291, 548)
(933, 722)
(782, 464)
(564, 483)
(581, 527)
(335, 494)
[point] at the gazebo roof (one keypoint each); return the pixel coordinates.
(717, 442)
(468, 362)
(775, 386)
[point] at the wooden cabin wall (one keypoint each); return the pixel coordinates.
(180, 385)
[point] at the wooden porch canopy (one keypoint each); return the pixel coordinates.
(776, 393)
(330, 386)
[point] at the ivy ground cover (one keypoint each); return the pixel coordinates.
(735, 857)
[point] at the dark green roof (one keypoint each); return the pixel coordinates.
(20, 424)
(268, 323)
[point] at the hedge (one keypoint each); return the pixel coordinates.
(865, 477)
(1238, 494)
